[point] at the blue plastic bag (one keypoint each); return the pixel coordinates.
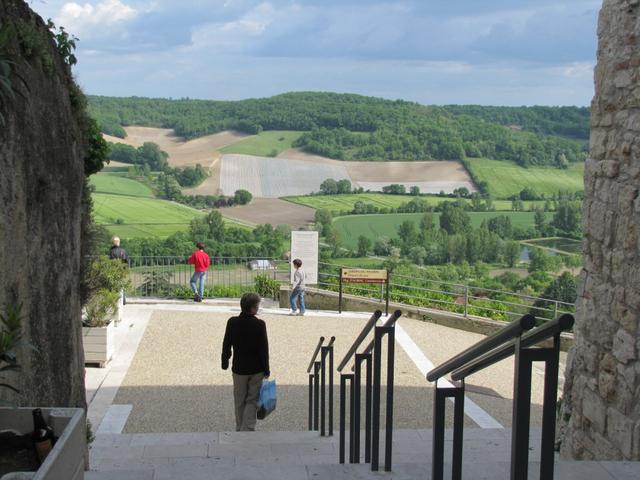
(267, 399)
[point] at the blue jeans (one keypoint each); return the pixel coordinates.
(202, 276)
(297, 294)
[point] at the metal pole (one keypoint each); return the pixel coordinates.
(330, 390)
(316, 395)
(377, 367)
(386, 305)
(549, 410)
(357, 380)
(437, 467)
(389, 420)
(341, 427)
(466, 300)
(521, 414)
(340, 293)
(458, 429)
(323, 383)
(310, 402)
(367, 411)
(352, 420)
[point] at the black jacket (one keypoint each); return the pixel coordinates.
(247, 335)
(118, 253)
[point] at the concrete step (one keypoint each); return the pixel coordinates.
(307, 456)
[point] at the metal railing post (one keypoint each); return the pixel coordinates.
(391, 340)
(310, 402)
(357, 380)
(367, 409)
(466, 301)
(316, 395)
(344, 378)
(377, 374)
(323, 384)
(521, 414)
(330, 390)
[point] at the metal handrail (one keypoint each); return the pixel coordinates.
(315, 352)
(548, 330)
(363, 334)
(389, 322)
(513, 330)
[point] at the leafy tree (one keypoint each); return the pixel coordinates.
(415, 190)
(151, 154)
(382, 247)
(568, 218)
(454, 219)
(242, 197)
(540, 221)
(512, 253)
(343, 186)
(539, 260)
(329, 187)
(563, 289)
(364, 246)
(500, 225)
(333, 239)
(408, 234)
(418, 254)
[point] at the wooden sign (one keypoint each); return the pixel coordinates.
(363, 275)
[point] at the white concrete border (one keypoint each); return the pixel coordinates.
(471, 409)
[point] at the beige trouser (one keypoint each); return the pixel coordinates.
(245, 395)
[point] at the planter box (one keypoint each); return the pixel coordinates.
(98, 343)
(67, 460)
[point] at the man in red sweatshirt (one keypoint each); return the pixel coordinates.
(200, 261)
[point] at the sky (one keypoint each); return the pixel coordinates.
(488, 52)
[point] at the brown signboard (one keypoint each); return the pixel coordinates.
(363, 275)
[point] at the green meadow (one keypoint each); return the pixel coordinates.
(506, 178)
(376, 226)
(264, 144)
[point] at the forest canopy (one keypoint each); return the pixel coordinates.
(355, 127)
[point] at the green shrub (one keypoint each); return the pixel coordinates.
(107, 274)
(100, 308)
(267, 286)
(215, 291)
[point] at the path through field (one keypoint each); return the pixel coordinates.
(271, 210)
(181, 153)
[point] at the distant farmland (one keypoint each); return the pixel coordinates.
(339, 203)
(507, 178)
(118, 185)
(376, 226)
(264, 144)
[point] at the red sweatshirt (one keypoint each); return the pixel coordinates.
(200, 260)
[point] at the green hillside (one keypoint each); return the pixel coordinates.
(265, 144)
(376, 226)
(119, 185)
(347, 126)
(507, 178)
(346, 202)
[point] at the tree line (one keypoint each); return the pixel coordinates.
(347, 126)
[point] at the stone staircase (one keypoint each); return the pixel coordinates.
(307, 456)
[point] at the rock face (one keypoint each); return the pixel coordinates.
(602, 392)
(41, 189)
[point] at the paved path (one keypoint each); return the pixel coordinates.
(306, 456)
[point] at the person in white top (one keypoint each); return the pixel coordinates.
(297, 289)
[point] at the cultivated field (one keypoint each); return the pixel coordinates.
(181, 154)
(340, 203)
(271, 210)
(507, 178)
(376, 226)
(429, 176)
(264, 144)
(274, 177)
(118, 185)
(139, 216)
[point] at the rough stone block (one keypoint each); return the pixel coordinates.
(624, 346)
(620, 430)
(594, 410)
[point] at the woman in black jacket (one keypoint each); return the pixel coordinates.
(246, 336)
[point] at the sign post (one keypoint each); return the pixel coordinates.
(304, 245)
(364, 275)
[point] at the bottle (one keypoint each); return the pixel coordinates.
(42, 436)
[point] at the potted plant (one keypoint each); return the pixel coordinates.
(18, 453)
(107, 280)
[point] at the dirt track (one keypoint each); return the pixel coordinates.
(200, 150)
(271, 210)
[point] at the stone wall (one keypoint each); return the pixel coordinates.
(41, 189)
(602, 390)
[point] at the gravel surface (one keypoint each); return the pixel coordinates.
(175, 382)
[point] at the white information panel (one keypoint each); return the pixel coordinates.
(304, 245)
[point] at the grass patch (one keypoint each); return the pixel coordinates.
(506, 178)
(265, 144)
(376, 226)
(340, 203)
(119, 185)
(140, 216)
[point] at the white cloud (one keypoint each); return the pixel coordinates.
(80, 19)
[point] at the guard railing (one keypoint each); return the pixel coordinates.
(371, 358)
(511, 340)
(319, 409)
